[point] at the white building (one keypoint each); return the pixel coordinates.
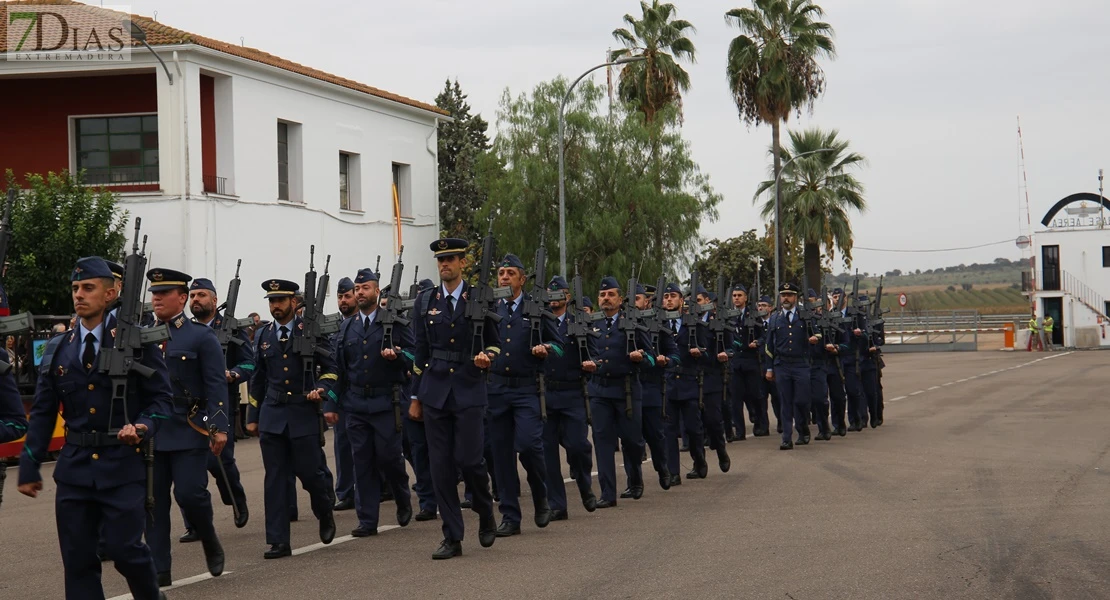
(1072, 270)
(243, 155)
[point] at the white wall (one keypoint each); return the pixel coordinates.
(204, 235)
(1081, 257)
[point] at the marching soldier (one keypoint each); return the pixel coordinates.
(787, 343)
(100, 473)
(818, 379)
(13, 421)
(417, 441)
(197, 427)
(344, 470)
(746, 373)
(516, 426)
(238, 368)
(615, 391)
(450, 396)
(838, 397)
(368, 389)
(654, 428)
(851, 355)
(682, 394)
(869, 371)
(566, 416)
(717, 352)
(284, 416)
(765, 307)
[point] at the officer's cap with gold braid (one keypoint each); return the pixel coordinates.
(90, 267)
(280, 288)
(117, 269)
(448, 247)
(788, 288)
(162, 280)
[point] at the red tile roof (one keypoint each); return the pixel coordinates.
(160, 34)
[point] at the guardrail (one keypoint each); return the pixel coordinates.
(935, 331)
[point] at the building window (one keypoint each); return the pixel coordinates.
(402, 190)
(1106, 256)
(350, 194)
(289, 161)
(118, 150)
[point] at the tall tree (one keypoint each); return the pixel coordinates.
(462, 145)
(734, 258)
(818, 192)
(772, 65)
(54, 222)
(663, 41)
(614, 209)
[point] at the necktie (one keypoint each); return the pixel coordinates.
(608, 323)
(88, 356)
(790, 317)
(511, 306)
(284, 334)
(366, 323)
(674, 326)
(450, 305)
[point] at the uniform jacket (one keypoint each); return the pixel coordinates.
(239, 360)
(13, 421)
(85, 400)
(682, 382)
(745, 357)
(714, 374)
(516, 360)
(444, 360)
(652, 377)
(613, 364)
(563, 372)
(786, 343)
(196, 367)
(365, 379)
(277, 390)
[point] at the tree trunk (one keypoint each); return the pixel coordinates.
(813, 266)
(780, 253)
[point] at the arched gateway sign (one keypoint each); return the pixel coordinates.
(1078, 211)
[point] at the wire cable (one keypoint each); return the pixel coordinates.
(935, 249)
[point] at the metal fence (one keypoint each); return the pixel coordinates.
(941, 330)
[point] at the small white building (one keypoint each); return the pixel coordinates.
(1071, 266)
(243, 155)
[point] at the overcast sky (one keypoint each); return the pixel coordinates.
(928, 90)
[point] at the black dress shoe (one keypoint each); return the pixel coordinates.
(190, 536)
(327, 528)
(606, 504)
(878, 423)
(665, 479)
(213, 556)
(701, 470)
(841, 431)
(278, 551)
(803, 440)
(684, 448)
(761, 433)
(543, 513)
(447, 549)
(627, 493)
(467, 504)
(731, 437)
(164, 580)
(676, 479)
(723, 460)
(244, 516)
(589, 502)
(824, 436)
(559, 515)
(161, 596)
(508, 528)
(487, 531)
(361, 531)
(404, 513)
(345, 504)
(786, 446)
(426, 515)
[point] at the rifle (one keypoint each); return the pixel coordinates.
(690, 322)
(578, 327)
(414, 289)
(391, 317)
(228, 331)
(829, 325)
(718, 326)
(629, 325)
(855, 311)
(533, 308)
(11, 324)
(655, 319)
(482, 297)
(126, 354)
(377, 266)
(308, 344)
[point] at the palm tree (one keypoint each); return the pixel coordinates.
(658, 81)
(772, 65)
(818, 191)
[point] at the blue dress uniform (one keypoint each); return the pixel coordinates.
(417, 441)
(239, 360)
(566, 418)
(838, 397)
(181, 448)
(616, 377)
(682, 401)
(100, 481)
(787, 344)
(869, 375)
(288, 424)
(818, 382)
(13, 421)
(769, 388)
(365, 391)
(713, 388)
(654, 427)
(341, 444)
(853, 348)
(452, 391)
(747, 389)
(516, 426)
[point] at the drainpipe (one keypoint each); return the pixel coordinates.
(184, 97)
(434, 151)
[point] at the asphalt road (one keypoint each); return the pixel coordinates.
(989, 479)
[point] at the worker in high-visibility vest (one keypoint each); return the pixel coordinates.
(1046, 333)
(1034, 332)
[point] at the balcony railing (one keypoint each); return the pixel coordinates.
(125, 176)
(214, 184)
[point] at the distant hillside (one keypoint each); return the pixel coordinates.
(1002, 272)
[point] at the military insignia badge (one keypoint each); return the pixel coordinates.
(300, 326)
(61, 370)
(113, 332)
(179, 322)
(156, 276)
(464, 295)
(434, 312)
(265, 346)
(70, 337)
(77, 270)
(442, 244)
(274, 285)
(437, 296)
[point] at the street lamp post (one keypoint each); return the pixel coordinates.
(562, 190)
(778, 202)
(138, 34)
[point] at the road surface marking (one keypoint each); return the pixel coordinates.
(178, 584)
